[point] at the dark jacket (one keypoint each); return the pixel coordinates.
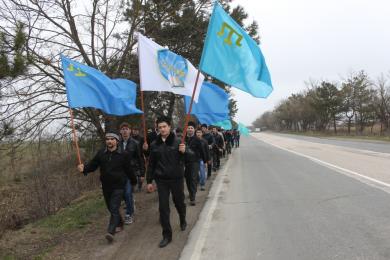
(165, 160)
(218, 141)
(139, 139)
(196, 150)
(150, 138)
(209, 138)
(115, 168)
(206, 150)
(136, 158)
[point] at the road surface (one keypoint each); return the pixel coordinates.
(282, 197)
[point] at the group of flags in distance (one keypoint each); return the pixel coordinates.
(229, 55)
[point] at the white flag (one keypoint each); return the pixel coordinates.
(163, 70)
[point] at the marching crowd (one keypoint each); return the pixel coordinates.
(165, 160)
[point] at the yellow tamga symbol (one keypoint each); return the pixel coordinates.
(228, 39)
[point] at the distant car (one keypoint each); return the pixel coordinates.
(257, 130)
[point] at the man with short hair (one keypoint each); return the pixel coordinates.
(166, 167)
(211, 143)
(136, 135)
(218, 148)
(194, 155)
(202, 163)
(115, 170)
(137, 163)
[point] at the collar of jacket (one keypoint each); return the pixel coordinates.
(118, 149)
(169, 141)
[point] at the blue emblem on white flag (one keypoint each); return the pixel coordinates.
(173, 67)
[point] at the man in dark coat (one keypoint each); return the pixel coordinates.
(192, 161)
(115, 170)
(166, 167)
(211, 143)
(137, 162)
(218, 148)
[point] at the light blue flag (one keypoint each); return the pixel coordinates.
(89, 87)
(212, 105)
(226, 124)
(232, 56)
(211, 119)
(243, 129)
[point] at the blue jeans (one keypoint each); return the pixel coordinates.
(202, 173)
(128, 196)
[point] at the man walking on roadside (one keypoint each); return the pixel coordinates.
(218, 149)
(202, 162)
(166, 167)
(211, 143)
(115, 170)
(194, 155)
(131, 146)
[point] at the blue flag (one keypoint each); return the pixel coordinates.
(225, 124)
(232, 56)
(89, 87)
(212, 105)
(243, 129)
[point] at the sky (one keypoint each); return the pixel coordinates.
(306, 40)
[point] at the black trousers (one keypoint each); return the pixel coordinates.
(113, 199)
(164, 188)
(216, 159)
(210, 163)
(192, 178)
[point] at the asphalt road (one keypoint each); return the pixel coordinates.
(371, 145)
(280, 198)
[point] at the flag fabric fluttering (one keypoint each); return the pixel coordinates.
(163, 70)
(212, 106)
(233, 57)
(89, 87)
(225, 124)
(243, 129)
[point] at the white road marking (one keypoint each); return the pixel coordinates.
(339, 169)
(202, 227)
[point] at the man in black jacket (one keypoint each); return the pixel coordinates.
(166, 167)
(115, 169)
(192, 161)
(138, 165)
(211, 143)
(218, 148)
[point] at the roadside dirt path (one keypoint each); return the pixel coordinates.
(138, 240)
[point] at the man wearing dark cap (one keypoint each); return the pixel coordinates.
(192, 161)
(115, 169)
(166, 167)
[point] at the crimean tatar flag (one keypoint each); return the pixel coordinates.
(163, 70)
(212, 106)
(89, 87)
(232, 56)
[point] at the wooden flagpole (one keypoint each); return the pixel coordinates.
(76, 144)
(190, 109)
(143, 115)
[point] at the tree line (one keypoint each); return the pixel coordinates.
(100, 34)
(355, 104)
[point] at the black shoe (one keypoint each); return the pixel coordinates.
(183, 225)
(109, 237)
(192, 202)
(164, 242)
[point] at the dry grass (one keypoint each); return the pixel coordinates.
(37, 180)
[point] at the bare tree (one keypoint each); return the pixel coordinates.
(382, 102)
(101, 34)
